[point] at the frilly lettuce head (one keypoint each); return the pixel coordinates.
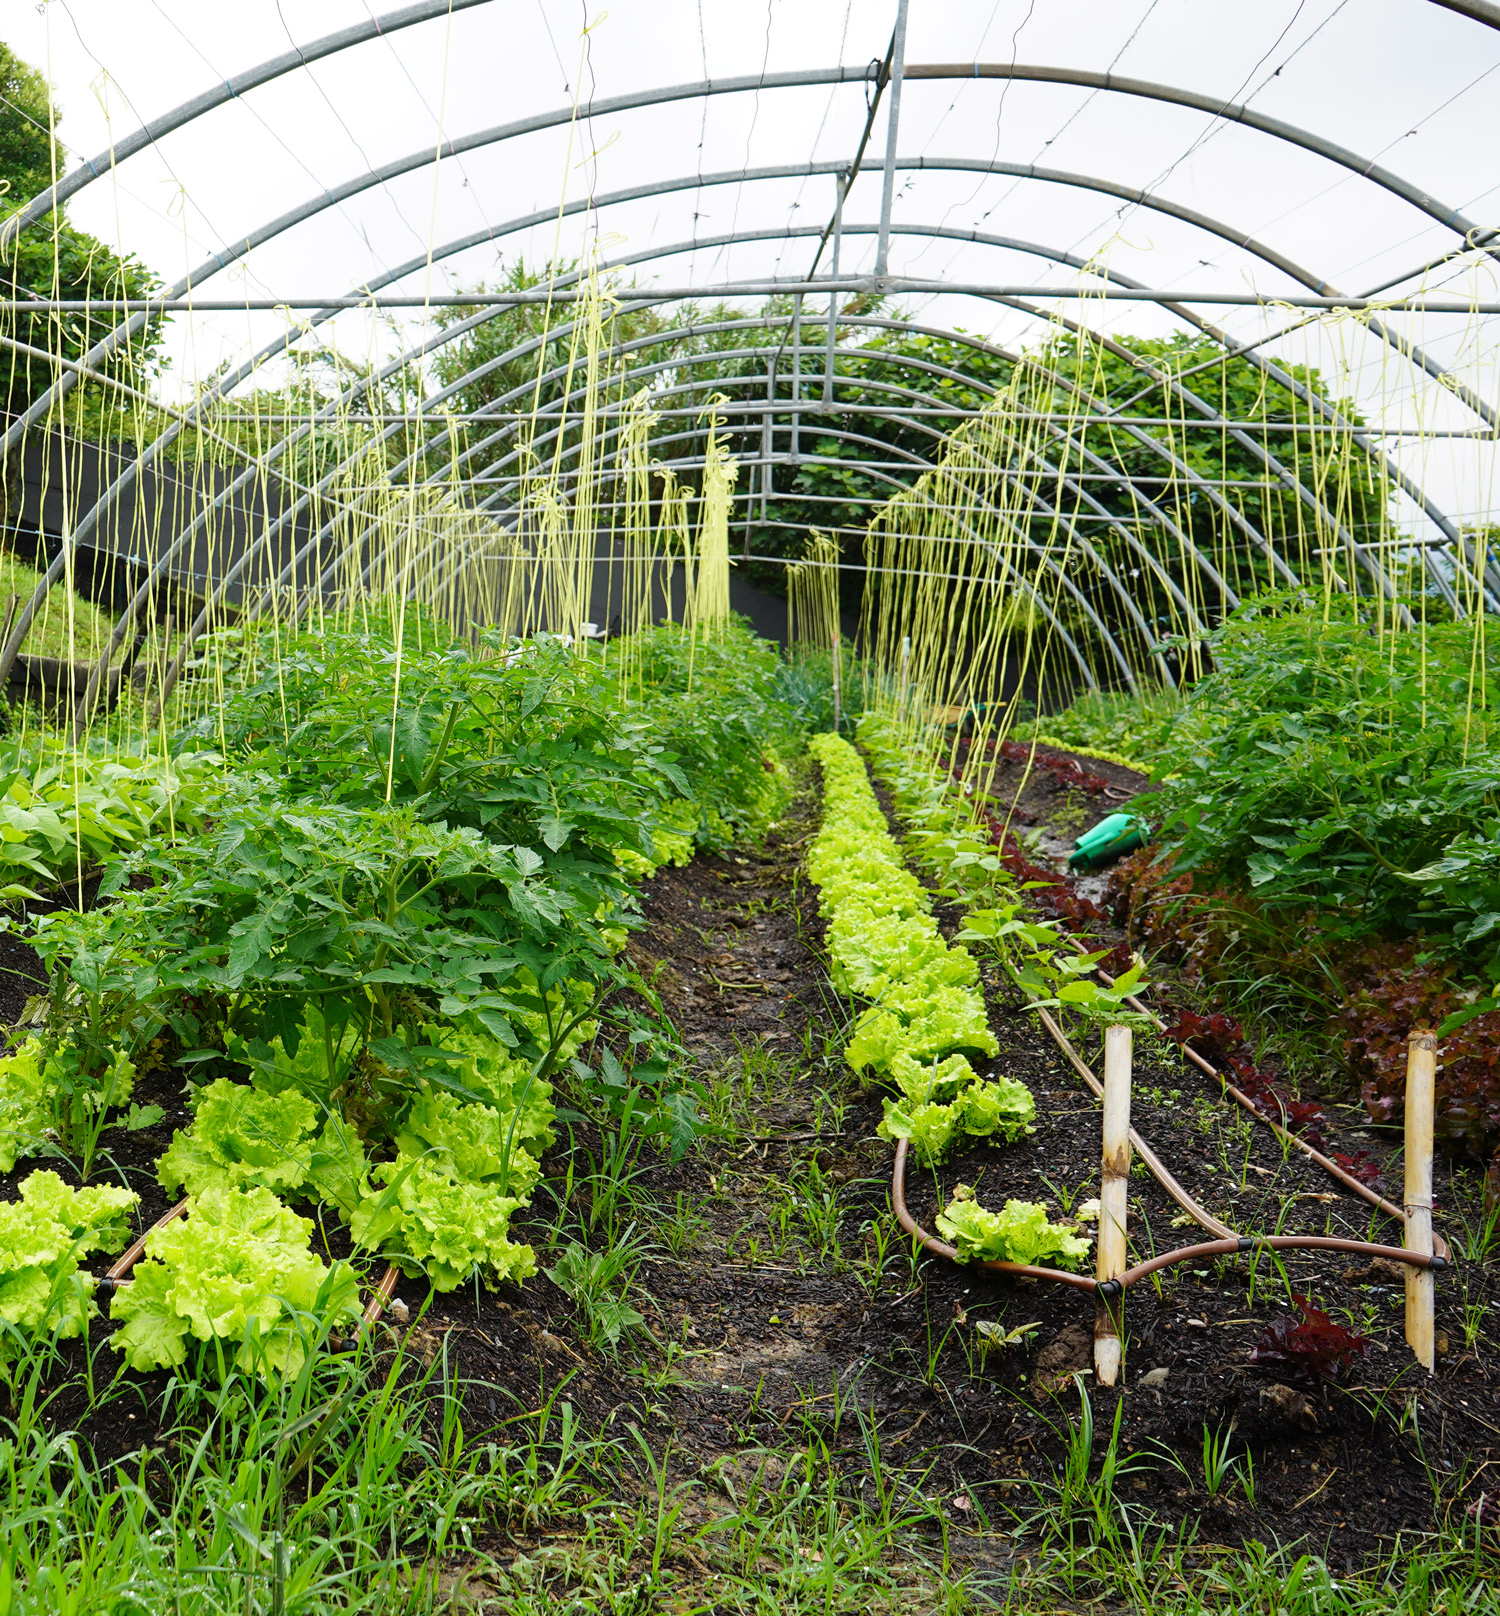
(1019, 1234)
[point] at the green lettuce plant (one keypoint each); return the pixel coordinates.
(885, 946)
(24, 1114)
(1020, 1233)
(943, 1101)
(240, 1138)
(44, 1234)
(447, 1228)
(461, 1169)
(237, 1269)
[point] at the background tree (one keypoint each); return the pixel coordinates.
(52, 258)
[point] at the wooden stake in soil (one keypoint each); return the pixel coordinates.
(1114, 1191)
(1421, 1078)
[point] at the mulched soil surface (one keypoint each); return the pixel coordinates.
(785, 1315)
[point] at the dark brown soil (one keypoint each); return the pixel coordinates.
(774, 1319)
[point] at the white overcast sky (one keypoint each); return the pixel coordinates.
(1402, 81)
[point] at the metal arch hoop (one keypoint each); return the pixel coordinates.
(1279, 129)
(1450, 218)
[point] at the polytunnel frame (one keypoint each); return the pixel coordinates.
(559, 333)
(315, 540)
(1211, 416)
(880, 73)
(1211, 419)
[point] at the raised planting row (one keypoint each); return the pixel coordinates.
(925, 1015)
(366, 958)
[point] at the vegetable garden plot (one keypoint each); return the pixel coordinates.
(788, 1319)
(1242, 1171)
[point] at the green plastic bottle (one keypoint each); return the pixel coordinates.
(1112, 838)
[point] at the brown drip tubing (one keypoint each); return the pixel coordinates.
(1166, 1259)
(1348, 1180)
(117, 1274)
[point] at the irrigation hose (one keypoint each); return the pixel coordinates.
(1348, 1180)
(118, 1274)
(1228, 1242)
(379, 1301)
(1111, 1288)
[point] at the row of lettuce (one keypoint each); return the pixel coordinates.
(926, 1018)
(370, 913)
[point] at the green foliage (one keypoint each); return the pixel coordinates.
(593, 1280)
(474, 364)
(466, 1141)
(370, 915)
(720, 708)
(1019, 1234)
(53, 258)
(237, 1270)
(43, 1237)
(400, 919)
(63, 812)
(242, 1138)
(55, 1093)
(949, 839)
(65, 627)
(1141, 369)
(1324, 766)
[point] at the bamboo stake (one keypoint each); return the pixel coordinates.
(1114, 1191)
(1421, 1077)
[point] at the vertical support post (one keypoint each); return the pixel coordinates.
(893, 122)
(1421, 1081)
(841, 181)
(796, 378)
(767, 439)
(1114, 1193)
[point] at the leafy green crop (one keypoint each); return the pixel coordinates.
(886, 946)
(944, 1100)
(1126, 729)
(43, 1237)
(1019, 1234)
(237, 1269)
(947, 837)
(240, 1138)
(443, 1226)
(62, 812)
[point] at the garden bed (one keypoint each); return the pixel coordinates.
(787, 1311)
